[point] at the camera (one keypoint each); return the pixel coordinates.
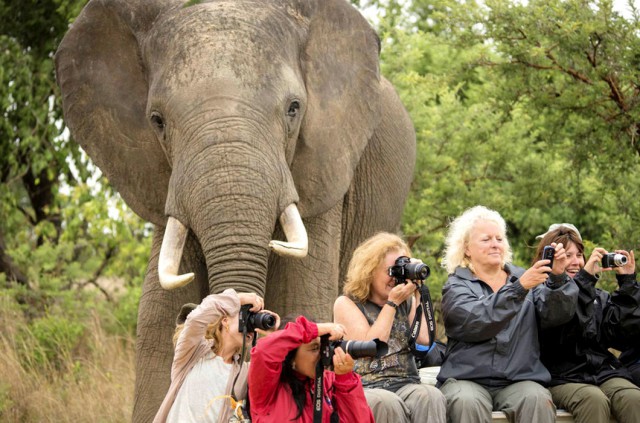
(403, 269)
(357, 349)
(252, 321)
(613, 260)
(548, 252)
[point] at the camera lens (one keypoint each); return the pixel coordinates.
(358, 349)
(619, 260)
(264, 321)
(417, 271)
(613, 260)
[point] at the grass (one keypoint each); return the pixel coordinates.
(86, 378)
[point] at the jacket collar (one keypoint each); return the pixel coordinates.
(466, 273)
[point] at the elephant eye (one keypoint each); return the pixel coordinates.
(294, 107)
(157, 121)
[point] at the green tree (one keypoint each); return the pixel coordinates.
(62, 226)
(530, 109)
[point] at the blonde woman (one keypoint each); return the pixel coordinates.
(207, 367)
(374, 306)
(491, 311)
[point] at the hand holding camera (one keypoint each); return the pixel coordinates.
(335, 331)
(342, 353)
(557, 256)
(252, 299)
(407, 269)
(251, 321)
(342, 362)
(629, 268)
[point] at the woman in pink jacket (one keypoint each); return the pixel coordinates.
(283, 371)
(207, 367)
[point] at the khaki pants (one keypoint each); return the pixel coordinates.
(413, 403)
(595, 404)
(522, 402)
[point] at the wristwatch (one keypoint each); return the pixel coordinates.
(392, 304)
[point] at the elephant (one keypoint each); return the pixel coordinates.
(257, 136)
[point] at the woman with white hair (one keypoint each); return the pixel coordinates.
(491, 311)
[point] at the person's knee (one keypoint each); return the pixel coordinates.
(536, 392)
(383, 402)
(592, 400)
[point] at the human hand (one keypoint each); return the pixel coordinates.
(630, 267)
(275, 327)
(401, 292)
(535, 275)
(592, 266)
(251, 298)
(559, 259)
(342, 362)
(335, 330)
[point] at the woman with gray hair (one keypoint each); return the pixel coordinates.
(491, 311)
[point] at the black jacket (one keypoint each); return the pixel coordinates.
(493, 336)
(577, 351)
(621, 325)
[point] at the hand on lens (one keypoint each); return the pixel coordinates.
(250, 298)
(342, 362)
(630, 267)
(275, 327)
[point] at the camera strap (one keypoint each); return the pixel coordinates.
(319, 391)
(425, 305)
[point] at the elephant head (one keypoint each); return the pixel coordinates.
(228, 124)
(222, 122)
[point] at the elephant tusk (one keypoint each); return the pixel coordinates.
(175, 235)
(297, 244)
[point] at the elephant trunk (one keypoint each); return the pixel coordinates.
(231, 194)
(176, 234)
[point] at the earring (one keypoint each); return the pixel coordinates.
(293, 365)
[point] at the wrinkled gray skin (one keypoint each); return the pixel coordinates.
(220, 114)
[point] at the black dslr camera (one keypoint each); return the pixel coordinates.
(403, 269)
(613, 260)
(357, 349)
(252, 321)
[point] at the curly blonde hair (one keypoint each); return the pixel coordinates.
(460, 231)
(214, 331)
(366, 259)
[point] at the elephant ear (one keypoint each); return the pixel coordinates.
(104, 94)
(341, 69)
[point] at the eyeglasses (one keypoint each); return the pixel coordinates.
(556, 226)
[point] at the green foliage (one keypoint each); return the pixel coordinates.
(67, 241)
(530, 108)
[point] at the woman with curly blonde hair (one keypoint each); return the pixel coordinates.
(375, 306)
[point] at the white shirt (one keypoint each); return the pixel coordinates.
(201, 396)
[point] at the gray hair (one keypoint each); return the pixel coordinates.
(460, 231)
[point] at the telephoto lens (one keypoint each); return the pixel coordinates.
(359, 349)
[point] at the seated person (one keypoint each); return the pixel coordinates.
(586, 379)
(374, 306)
(283, 372)
(492, 312)
(207, 367)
